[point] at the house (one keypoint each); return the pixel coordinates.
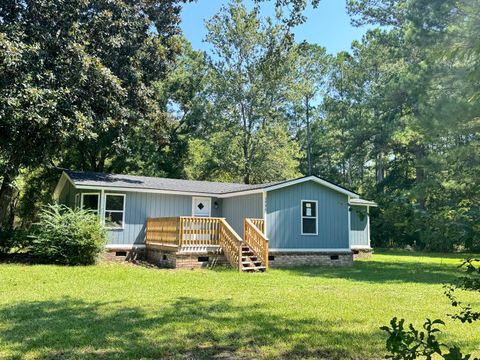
(185, 223)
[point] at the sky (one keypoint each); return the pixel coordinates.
(327, 25)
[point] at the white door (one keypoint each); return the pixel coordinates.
(201, 206)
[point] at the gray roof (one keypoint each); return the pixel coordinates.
(156, 183)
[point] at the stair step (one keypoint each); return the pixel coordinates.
(256, 262)
(254, 268)
(251, 257)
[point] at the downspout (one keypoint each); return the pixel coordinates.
(349, 224)
(264, 202)
(102, 206)
(368, 226)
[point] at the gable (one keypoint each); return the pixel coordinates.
(313, 179)
(284, 217)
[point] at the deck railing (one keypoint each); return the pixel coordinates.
(183, 230)
(199, 230)
(163, 231)
(256, 239)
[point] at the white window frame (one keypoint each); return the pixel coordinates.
(104, 211)
(77, 201)
(202, 198)
(309, 217)
(98, 201)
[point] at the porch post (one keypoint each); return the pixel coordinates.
(368, 226)
(264, 199)
(102, 207)
(349, 223)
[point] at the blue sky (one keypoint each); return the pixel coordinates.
(328, 25)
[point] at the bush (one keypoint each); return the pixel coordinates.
(409, 343)
(66, 236)
(14, 241)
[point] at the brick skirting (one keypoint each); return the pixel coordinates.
(362, 253)
(292, 259)
(184, 260)
(167, 258)
(124, 253)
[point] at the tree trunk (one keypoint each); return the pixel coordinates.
(379, 169)
(246, 142)
(246, 169)
(420, 175)
(246, 156)
(7, 193)
(309, 141)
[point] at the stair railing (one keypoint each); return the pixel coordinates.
(231, 244)
(259, 223)
(257, 240)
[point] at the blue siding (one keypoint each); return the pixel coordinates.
(216, 207)
(237, 208)
(358, 226)
(283, 215)
(140, 206)
(284, 218)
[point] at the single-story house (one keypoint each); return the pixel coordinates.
(185, 223)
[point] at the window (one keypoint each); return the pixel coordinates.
(309, 217)
(90, 202)
(114, 211)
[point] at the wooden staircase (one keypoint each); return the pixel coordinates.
(249, 254)
(250, 261)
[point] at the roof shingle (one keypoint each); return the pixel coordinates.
(156, 183)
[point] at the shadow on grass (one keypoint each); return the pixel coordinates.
(384, 272)
(426, 254)
(187, 328)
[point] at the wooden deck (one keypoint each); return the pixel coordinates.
(186, 233)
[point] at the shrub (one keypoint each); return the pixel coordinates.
(66, 236)
(409, 343)
(14, 241)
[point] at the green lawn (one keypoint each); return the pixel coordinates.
(125, 311)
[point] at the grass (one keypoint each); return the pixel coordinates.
(122, 311)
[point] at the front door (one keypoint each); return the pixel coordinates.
(201, 206)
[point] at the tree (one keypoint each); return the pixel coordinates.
(248, 88)
(310, 68)
(75, 79)
(399, 116)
